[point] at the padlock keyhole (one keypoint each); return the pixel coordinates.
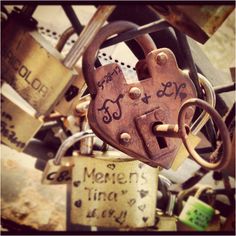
(160, 140)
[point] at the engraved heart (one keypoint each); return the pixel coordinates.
(111, 166)
(142, 207)
(143, 193)
(182, 96)
(77, 183)
(78, 203)
(124, 191)
(140, 165)
(132, 201)
(145, 219)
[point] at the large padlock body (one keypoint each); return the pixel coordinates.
(32, 66)
(113, 112)
(17, 125)
(108, 193)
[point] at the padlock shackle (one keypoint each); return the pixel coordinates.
(226, 153)
(64, 38)
(196, 190)
(90, 55)
(69, 142)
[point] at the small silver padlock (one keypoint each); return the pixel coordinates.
(58, 170)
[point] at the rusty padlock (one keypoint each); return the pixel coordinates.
(123, 114)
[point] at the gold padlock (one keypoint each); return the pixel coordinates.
(18, 124)
(32, 66)
(112, 191)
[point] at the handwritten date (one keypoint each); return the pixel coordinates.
(108, 77)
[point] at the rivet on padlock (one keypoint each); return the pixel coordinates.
(58, 170)
(196, 213)
(118, 107)
(161, 58)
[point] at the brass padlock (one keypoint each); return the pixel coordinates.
(59, 169)
(123, 114)
(18, 124)
(32, 66)
(113, 191)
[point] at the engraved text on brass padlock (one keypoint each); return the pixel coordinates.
(33, 67)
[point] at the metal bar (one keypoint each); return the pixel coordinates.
(166, 130)
(87, 35)
(225, 88)
(73, 18)
(184, 46)
(28, 10)
(131, 34)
